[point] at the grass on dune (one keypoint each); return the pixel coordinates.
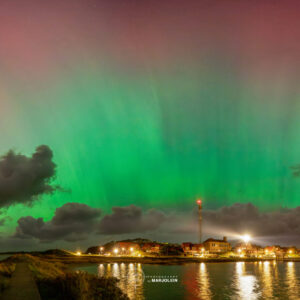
(6, 270)
(56, 282)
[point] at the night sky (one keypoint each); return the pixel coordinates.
(152, 104)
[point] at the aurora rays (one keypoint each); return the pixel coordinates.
(154, 104)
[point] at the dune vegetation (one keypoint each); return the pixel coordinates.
(6, 269)
(56, 282)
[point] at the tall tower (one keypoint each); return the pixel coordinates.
(199, 203)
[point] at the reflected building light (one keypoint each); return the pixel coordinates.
(123, 278)
(240, 267)
(267, 279)
(266, 263)
(131, 281)
(203, 289)
(101, 270)
(108, 270)
(245, 284)
(292, 281)
(202, 266)
(116, 271)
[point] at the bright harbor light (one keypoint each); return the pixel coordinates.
(116, 251)
(78, 253)
(246, 238)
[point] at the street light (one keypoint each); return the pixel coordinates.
(116, 251)
(78, 253)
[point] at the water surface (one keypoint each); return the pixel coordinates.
(238, 281)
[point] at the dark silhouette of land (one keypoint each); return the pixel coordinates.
(29, 277)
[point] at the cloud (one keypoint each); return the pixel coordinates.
(75, 221)
(71, 222)
(247, 217)
(131, 219)
(296, 170)
(23, 179)
(239, 218)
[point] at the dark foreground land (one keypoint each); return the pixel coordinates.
(22, 284)
(35, 278)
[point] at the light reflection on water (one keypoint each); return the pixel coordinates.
(267, 280)
(293, 281)
(130, 276)
(203, 291)
(204, 281)
(245, 283)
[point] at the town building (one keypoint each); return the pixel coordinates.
(272, 250)
(217, 246)
(192, 249)
(279, 252)
(127, 247)
(248, 249)
(151, 247)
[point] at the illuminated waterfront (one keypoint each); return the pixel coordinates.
(240, 280)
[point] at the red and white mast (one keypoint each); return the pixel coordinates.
(199, 203)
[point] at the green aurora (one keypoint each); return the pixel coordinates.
(128, 130)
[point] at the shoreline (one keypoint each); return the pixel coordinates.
(87, 260)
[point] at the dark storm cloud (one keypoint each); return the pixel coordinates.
(296, 170)
(239, 218)
(23, 179)
(76, 221)
(71, 222)
(131, 219)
